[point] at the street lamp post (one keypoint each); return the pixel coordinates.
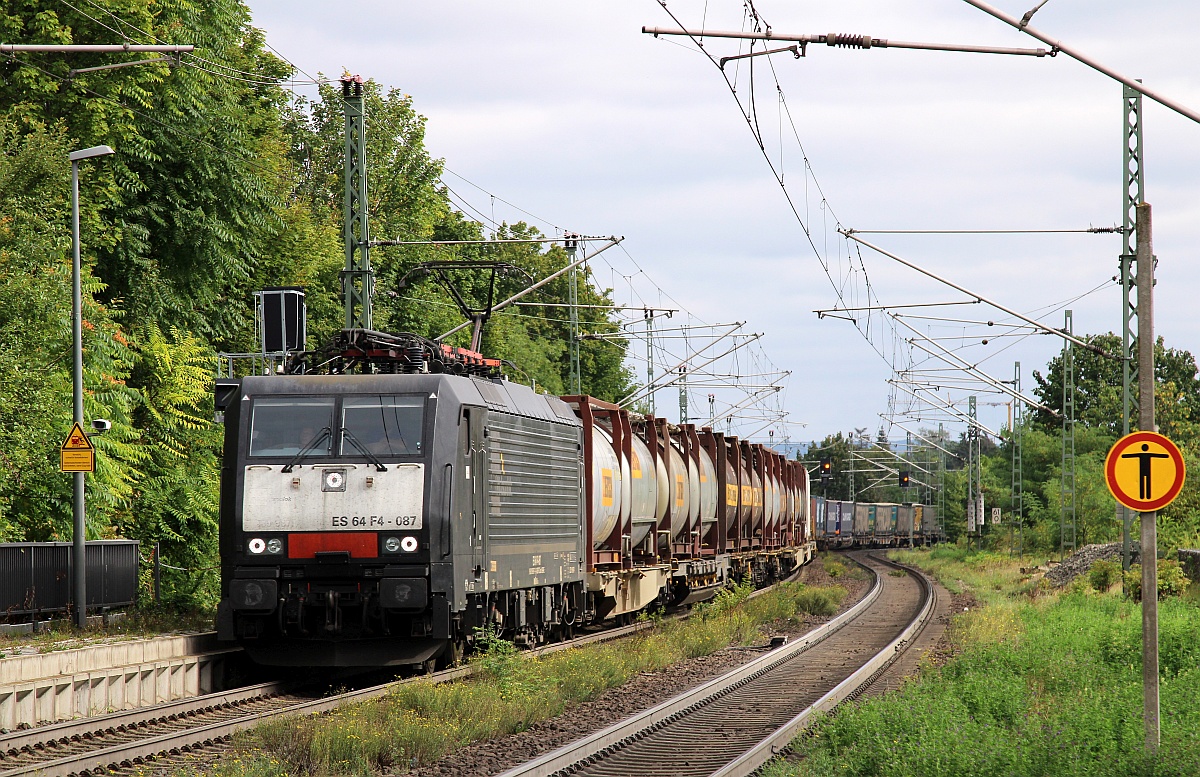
(78, 552)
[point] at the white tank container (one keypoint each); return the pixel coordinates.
(770, 504)
(606, 487)
(731, 496)
(708, 493)
(681, 494)
(643, 491)
(693, 492)
(780, 502)
(665, 489)
(756, 509)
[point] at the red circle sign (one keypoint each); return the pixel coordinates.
(1144, 471)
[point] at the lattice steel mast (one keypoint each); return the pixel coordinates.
(1066, 520)
(1132, 192)
(357, 278)
(1018, 485)
(573, 291)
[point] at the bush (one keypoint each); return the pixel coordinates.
(834, 568)
(1103, 575)
(1171, 580)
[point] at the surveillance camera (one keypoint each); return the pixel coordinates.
(101, 425)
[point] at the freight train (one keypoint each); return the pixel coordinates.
(843, 524)
(381, 514)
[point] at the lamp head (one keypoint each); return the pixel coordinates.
(88, 153)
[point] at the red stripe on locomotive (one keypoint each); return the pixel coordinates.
(357, 544)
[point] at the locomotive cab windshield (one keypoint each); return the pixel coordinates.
(377, 425)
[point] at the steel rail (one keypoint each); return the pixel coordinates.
(770, 747)
(181, 741)
(64, 731)
(592, 746)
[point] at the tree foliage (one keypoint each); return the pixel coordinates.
(1098, 425)
(223, 183)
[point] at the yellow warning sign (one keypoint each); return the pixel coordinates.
(1144, 471)
(76, 454)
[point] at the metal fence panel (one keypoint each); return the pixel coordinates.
(35, 577)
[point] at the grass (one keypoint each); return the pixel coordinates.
(418, 723)
(1044, 684)
(138, 623)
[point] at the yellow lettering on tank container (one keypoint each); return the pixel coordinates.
(635, 465)
(679, 490)
(731, 495)
(606, 487)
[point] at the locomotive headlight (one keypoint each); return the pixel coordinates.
(392, 544)
(257, 545)
(334, 480)
(408, 544)
(274, 546)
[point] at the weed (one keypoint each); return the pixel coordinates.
(1048, 686)
(897, 573)
(418, 723)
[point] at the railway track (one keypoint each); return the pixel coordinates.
(126, 739)
(733, 725)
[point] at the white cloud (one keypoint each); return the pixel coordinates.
(567, 110)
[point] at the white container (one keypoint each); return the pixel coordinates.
(643, 492)
(708, 493)
(606, 489)
(681, 493)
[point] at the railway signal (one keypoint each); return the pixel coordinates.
(903, 478)
(826, 470)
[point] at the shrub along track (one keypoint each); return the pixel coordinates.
(736, 723)
(126, 740)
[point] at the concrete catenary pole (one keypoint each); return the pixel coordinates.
(1145, 318)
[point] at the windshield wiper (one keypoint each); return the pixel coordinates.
(370, 456)
(310, 446)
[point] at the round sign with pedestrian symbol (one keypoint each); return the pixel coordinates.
(1144, 471)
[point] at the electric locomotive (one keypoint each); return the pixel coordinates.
(353, 511)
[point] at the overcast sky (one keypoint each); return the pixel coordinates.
(568, 111)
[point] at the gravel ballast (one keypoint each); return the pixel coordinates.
(1079, 562)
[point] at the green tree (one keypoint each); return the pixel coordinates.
(1098, 385)
(35, 338)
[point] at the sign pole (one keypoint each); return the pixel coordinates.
(79, 524)
(1145, 320)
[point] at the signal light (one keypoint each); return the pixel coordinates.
(903, 478)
